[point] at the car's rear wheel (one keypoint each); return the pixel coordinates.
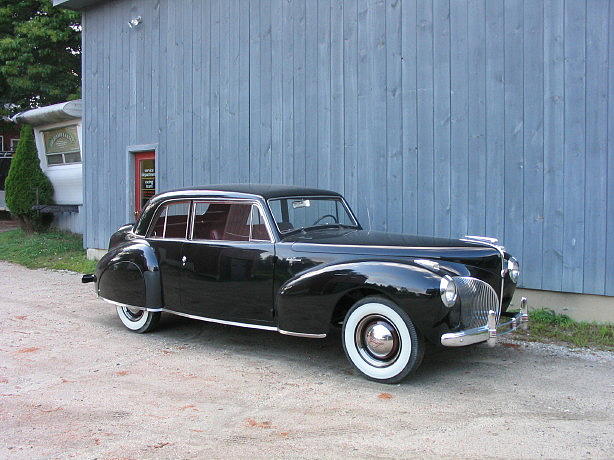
(138, 320)
(381, 341)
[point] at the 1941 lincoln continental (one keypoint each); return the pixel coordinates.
(296, 261)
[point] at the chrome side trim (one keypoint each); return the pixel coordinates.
(246, 325)
(369, 246)
(220, 321)
(301, 334)
(153, 310)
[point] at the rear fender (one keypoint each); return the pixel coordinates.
(306, 302)
(129, 274)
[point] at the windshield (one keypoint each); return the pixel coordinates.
(293, 214)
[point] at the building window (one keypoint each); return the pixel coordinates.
(13, 145)
(62, 146)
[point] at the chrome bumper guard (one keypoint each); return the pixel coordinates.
(489, 332)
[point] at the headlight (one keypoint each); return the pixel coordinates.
(447, 288)
(513, 268)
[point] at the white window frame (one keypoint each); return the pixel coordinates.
(63, 154)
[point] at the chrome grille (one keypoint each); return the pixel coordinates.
(477, 299)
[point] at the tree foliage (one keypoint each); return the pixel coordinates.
(26, 185)
(40, 54)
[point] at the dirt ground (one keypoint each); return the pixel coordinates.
(74, 383)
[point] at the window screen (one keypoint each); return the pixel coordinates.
(172, 220)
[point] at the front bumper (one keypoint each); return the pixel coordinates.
(489, 332)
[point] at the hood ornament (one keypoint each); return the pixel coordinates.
(486, 239)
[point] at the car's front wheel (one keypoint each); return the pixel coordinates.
(381, 341)
(138, 320)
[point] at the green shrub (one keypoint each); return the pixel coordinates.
(27, 185)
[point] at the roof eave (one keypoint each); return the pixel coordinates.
(75, 4)
(64, 111)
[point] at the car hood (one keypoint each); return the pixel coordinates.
(377, 244)
(382, 240)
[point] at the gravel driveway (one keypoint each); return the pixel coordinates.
(75, 383)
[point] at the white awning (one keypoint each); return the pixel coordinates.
(51, 113)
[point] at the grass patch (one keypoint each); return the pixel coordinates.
(57, 250)
(547, 326)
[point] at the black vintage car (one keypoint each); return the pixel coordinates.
(296, 261)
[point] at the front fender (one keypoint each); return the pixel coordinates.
(306, 302)
(129, 274)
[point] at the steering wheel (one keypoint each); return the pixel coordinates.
(324, 217)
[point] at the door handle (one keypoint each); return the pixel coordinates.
(183, 261)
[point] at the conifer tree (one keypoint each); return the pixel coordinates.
(27, 185)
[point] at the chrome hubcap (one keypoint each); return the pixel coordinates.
(377, 341)
(133, 314)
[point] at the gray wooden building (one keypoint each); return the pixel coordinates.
(437, 117)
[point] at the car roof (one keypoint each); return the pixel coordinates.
(249, 191)
(266, 191)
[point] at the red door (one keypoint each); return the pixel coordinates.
(145, 179)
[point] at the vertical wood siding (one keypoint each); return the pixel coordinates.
(491, 117)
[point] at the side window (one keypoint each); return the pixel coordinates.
(237, 223)
(227, 222)
(171, 220)
(259, 230)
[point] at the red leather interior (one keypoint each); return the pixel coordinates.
(176, 226)
(220, 221)
(237, 222)
(259, 232)
(211, 224)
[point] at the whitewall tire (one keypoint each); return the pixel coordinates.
(138, 320)
(381, 341)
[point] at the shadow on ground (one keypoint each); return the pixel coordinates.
(314, 355)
